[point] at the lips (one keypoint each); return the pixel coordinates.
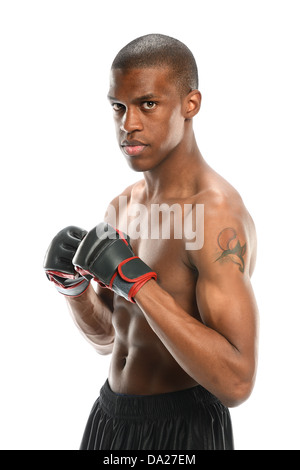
(133, 147)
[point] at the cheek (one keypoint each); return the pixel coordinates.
(174, 130)
(117, 125)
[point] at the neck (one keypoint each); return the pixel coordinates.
(178, 174)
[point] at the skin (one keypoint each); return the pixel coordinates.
(198, 323)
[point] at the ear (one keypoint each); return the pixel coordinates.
(192, 104)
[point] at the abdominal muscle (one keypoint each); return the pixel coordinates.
(140, 363)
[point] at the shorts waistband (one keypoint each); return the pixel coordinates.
(154, 406)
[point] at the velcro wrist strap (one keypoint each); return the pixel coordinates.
(134, 269)
(132, 274)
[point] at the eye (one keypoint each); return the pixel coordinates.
(117, 106)
(149, 105)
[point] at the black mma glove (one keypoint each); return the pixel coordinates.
(58, 262)
(106, 254)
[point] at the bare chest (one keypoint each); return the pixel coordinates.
(158, 238)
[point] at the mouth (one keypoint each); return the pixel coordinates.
(133, 148)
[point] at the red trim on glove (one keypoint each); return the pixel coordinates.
(60, 274)
(112, 280)
(121, 235)
(138, 285)
(101, 284)
(83, 272)
(62, 285)
(128, 279)
(121, 272)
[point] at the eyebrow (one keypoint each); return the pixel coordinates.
(148, 97)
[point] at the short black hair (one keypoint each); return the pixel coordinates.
(159, 50)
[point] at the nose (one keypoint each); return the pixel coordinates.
(131, 121)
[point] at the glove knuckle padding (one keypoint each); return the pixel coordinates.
(101, 253)
(58, 261)
(106, 254)
(62, 249)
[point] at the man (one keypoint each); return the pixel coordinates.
(180, 316)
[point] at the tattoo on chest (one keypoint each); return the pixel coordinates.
(231, 248)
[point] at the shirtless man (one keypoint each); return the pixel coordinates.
(184, 347)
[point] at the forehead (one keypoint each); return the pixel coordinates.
(132, 83)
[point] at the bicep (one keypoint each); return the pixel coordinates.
(227, 305)
(224, 293)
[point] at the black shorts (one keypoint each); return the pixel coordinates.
(191, 419)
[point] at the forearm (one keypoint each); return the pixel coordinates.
(205, 354)
(94, 319)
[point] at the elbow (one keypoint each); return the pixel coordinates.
(237, 393)
(101, 348)
(240, 386)
(104, 349)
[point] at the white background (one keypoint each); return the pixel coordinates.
(60, 165)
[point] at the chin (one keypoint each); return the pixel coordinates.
(139, 165)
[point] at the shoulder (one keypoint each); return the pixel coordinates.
(225, 206)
